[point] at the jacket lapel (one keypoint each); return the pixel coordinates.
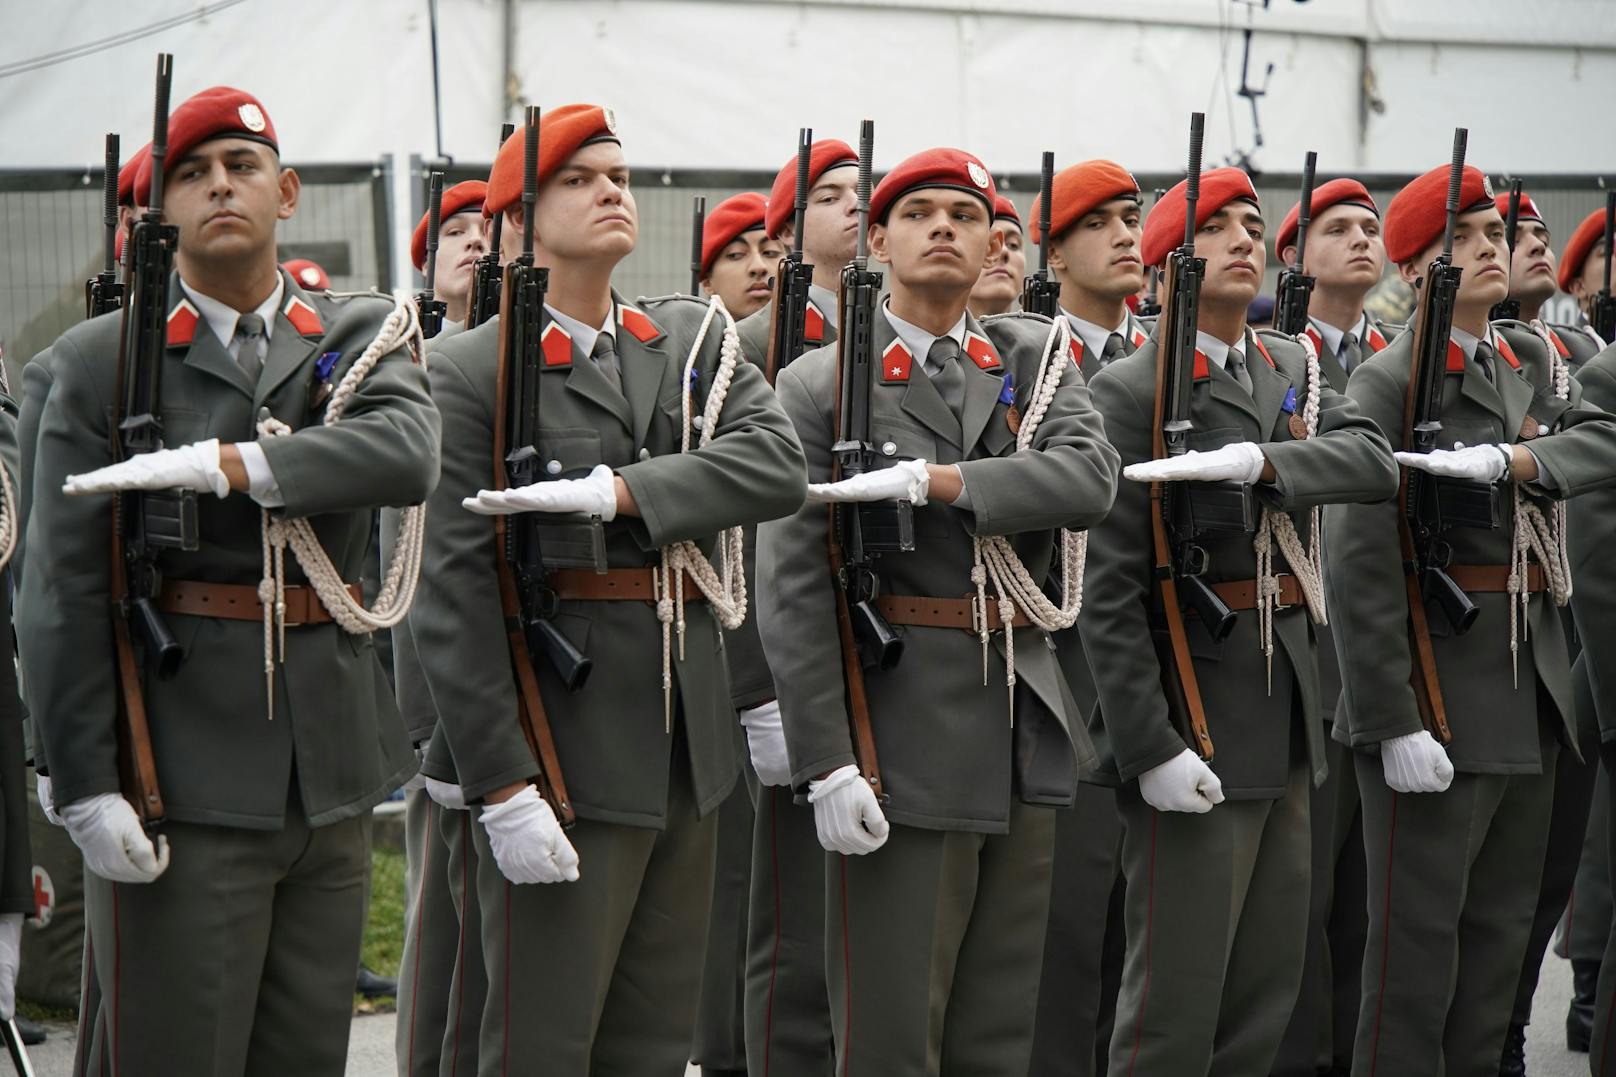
(984, 381)
(1514, 390)
(1335, 375)
(298, 329)
(562, 355)
(642, 364)
(921, 400)
(1225, 388)
(1474, 384)
(1269, 385)
(189, 337)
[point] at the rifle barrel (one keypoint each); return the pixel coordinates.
(434, 221)
(530, 180)
(1046, 194)
(698, 223)
(861, 256)
(799, 205)
(159, 145)
(1304, 213)
(1610, 234)
(1455, 182)
(1192, 178)
(109, 204)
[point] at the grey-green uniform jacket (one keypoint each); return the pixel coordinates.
(220, 759)
(1593, 565)
(1251, 729)
(950, 756)
(610, 735)
(1576, 343)
(1492, 715)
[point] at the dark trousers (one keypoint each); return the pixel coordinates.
(1602, 1051)
(719, 1042)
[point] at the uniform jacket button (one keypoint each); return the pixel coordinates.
(889, 448)
(645, 454)
(553, 467)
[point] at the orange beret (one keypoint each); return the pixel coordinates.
(1164, 225)
(461, 198)
(1589, 234)
(129, 172)
(1079, 189)
(1418, 213)
(942, 167)
(1005, 210)
(733, 217)
(562, 132)
(824, 155)
(307, 274)
(217, 112)
(1528, 210)
(1325, 195)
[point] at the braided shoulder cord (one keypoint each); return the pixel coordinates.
(8, 518)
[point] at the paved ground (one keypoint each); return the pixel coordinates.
(370, 1052)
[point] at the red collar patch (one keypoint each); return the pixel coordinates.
(304, 318)
(1317, 339)
(813, 325)
(1257, 340)
(1138, 337)
(635, 321)
(1502, 347)
(1456, 355)
(556, 345)
(182, 322)
(1559, 345)
(980, 349)
(1376, 339)
(1076, 346)
(1203, 366)
(896, 362)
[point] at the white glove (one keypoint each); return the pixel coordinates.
(594, 495)
(445, 794)
(10, 961)
(846, 813)
(45, 800)
(1183, 783)
(189, 467)
(115, 846)
(1241, 462)
(906, 480)
(1483, 463)
(1415, 763)
(766, 740)
(528, 844)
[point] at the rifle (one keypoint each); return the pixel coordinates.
(144, 523)
(104, 292)
(859, 532)
(1040, 294)
(1295, 286)
(1602, 312)
(1150, 306)
(485, 276)
(792, 279)
(14, 1047)
(1183, 512)
(431, 309)
(698, 222)
(1508, 307)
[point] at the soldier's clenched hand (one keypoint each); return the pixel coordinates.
(115, 846)
(1415, 763)
(907, 480)
(189, 467)
(1183, 783)
(1241, 462)
(846, 813)
(593, 495)
(1480, 463)
(528, 844)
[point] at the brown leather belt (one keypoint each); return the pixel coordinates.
(239, 602)
(941, 612)
(614, 585)
(1494, 579)
(1242, 594)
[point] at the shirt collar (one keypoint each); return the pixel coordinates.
(918, 340)
(826, 301)
(584, 336)
(1216, 350)
(222, 317)
(1094, 336)
(1334, 337)
(1466, 342)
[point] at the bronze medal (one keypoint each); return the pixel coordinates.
(1298, 427)
(1012, 419)
(1530, 428)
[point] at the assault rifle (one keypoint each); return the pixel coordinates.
(1150, 305)
(430, 308)
(104, 291)
(698, 222)
(1295, 286)
(1509, 307)
(1602, 313)
(1040, 294)
(793, 277)
(485, 275)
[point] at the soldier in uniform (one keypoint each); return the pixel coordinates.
(1217, 856)
(1094, 256)
(1582, 266)
(1454, 837)
(238, 954)
(935, 937)
(599, 970)
(16, 859)
(737, 254)
(999, 287)
(461, 241)
(1532, 281)
(1345, 256)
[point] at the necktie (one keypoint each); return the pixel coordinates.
(1484, 359)
(1349, 352)
(250, 345)
(1237, 369)
(605, 356)
(942, 364)
(1113, 350)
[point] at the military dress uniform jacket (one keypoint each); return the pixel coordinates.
(1593, 600)
(610, 735)
(220, 759)
(1251, 728)
(1576, 343)
(16, 859)
(1491, 713)
(950, 756)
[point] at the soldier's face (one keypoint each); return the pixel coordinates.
(225, 196)
(461, 241)
(1231, 241)
(936, 239)
(830, 221)
(1100, 253)
(586, 211)
(1532, 270)
(1479, 251)
(1000, 282)
(1344, 249)
(1585, 285)
(740, 274)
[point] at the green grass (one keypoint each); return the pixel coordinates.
(383, 946)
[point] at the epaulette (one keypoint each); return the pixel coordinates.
(1011, 315)
(674, 297)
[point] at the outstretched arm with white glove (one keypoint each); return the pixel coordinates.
(1183, 783)
(1479, 463)
(204, 466)
(600, 493)
(846, 813)
(115, 845)
(528, 843)
(1415, 763)
(906, 480)
(1242, 461)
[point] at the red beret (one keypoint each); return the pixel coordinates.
(562, 132)
(941, 167)
(733, 217)
(128, 173)
(825, 155)
(1589, 234)
(1164, 225)
(1417, 214)
(217, 112)
(308, 274)
(461, 198)
(1082, 188)
(1325, 195)
(1005, 210)
(1528, 209)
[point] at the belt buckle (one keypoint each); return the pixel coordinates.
(287, 621)
(1279, 591)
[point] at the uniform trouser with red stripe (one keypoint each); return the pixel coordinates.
(599, 977)
(719, 1041)
(1216, 922)
(468, 986)
(240, 958)
(787, 1002)
(933, 945)
(1453, 883)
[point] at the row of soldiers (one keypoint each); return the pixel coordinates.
(1051, 873)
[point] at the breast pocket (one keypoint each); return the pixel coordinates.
(1215, 437)
(1463, 433)
(568, 452)
(182, 426)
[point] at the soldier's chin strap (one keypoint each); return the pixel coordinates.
(724, 588)
(401, 328)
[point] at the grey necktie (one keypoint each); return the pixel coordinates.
(605, 356)
(1113, 350)
(1349, 352)
(250, 351)
(1484, 359)
(1236, 365)
(943, 366)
